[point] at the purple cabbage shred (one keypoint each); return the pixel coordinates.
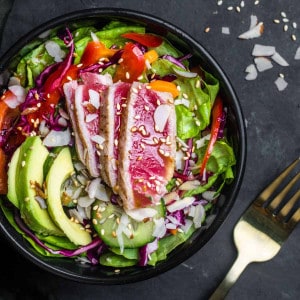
(145, 251)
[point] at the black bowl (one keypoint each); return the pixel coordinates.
(101, 275)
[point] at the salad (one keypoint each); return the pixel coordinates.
(113, 145)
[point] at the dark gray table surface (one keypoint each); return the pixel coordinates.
(272, 119)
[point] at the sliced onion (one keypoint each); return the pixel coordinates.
(168, 198)
(55, 51)
(139, 214)
(189, 185)
(254, 32)
(209, 195)
(198, 217)
(98, 139)
(263, 50)
(182, 101)
(188, 224)
(94, 98)
(179, 162)
(185, 74)
(91, 117)
(159, 228)
(85, 201)
(57, 138)
(200, 143)
(279, 59)
(262, 64)
(161, 116)
(252, 72)
(180, 204)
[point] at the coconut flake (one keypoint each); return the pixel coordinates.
(161, 116)
(254, 32)
(139, 214)
(263, 50)
(252, 72)
(57, 138)
(297, 54)
(279, 59)
(262, 64)
(280, 83)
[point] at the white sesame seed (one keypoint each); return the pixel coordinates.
(207, 29)
(238, 9)
(256, 2)
(294, 25)
(230, 8)
(283, 14)
(281, 75)
(242, 4)
(102, 231)
(276, 21)
(285, 20)
(285, 27)
(293, 37)
(127, 75)
(220, 2)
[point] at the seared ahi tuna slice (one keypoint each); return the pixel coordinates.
(111, 108)
(87, 103)
(147, 146)
(69, 91)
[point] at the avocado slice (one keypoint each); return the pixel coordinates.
(59, 171)
(29, 176)
(12, 175)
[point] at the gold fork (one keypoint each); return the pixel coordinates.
(263, 228)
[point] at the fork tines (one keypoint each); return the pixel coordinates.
(272, 204)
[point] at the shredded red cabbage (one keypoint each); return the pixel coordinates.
(95, 244)
(145, 251)
(174, 60)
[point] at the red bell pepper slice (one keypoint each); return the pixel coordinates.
(145, 39)
(95, 50)
(131, 65)
(217, 112)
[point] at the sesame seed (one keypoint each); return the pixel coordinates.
(178, 88)
(283, 14)
(220, 2)
(161, 151)
(281, 75)
(197, 85)
(94, 221)
(256, 2)
(148, 184)
(117, 271)
(116, 142)
(133, 129)
(207, 29)
(26, 199)
(114, 234)
(23, 163)
(276, 21)
(69, 78)
(137, 117)
(118, 220)
(285, 20)
(135, 90)
(79, 65)
(120, 60)
(36, 96)
(118, 106)
(124, 105)
(185, 96)
(230, 8)
(102, 231)
(294, 24)
(146, 108)
(111, 216)
(285, 27)
(139, 158)
(158, 102)
(293, 37)
(127, 75)
(242, 4)
(155, 140)
(238, 9)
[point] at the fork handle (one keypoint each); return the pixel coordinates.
(231, 277)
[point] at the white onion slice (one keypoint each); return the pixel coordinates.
(159, 228)
(179, 162)
(198, 217)
(98, 139)
(85, 201)
(263, 50)
(94, 98)
(200, 143)
(209, 195)
(139, 214)
(180, 204)
(91, 117)
(168, 198)
(55, 51)
(189, 185)
(182, 101)
(57, 138)
(185, 74)
(281, 84)
(254, 32)
(161, 116)
(252, 72)
(262, 64)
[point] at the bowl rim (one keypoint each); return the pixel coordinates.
(241, 156)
